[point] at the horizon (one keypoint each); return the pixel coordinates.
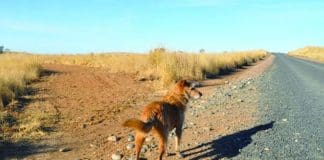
(60, 27)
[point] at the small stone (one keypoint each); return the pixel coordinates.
(146, 146)
(284, 120)
(154, 145)
(226, 82)
(142, 79)
(93, 146)
(266, 149)
(143, 150)
(130, 138)
(234, 87)
(148, 139)
(296, 140)
(228, 94)
(116, 156)
(240, 100)
(84, 125)
(130, 146)
(112, 138)
(64, 149)
(207, 128)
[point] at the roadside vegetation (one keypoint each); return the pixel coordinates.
(161, 64)
(314, 53)
(17, 70)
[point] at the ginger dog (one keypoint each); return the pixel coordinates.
(161, 117)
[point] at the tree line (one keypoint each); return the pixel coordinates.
(4, 50)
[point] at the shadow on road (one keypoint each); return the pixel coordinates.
(227, 146)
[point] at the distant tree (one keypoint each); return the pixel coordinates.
(1, 49)
(202, 50)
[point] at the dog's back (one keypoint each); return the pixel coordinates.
(162, 113)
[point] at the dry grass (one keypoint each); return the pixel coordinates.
(314, 53)
(164, 65)
(16, 71)
(33, 124)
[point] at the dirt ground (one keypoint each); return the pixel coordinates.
(91, 105)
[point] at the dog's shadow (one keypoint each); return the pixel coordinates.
(227, 146)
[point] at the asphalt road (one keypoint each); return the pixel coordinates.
(292, 111)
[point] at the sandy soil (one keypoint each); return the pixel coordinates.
(91, 105)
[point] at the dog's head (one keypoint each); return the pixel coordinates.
(188, 88)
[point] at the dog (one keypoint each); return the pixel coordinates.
(161, 117)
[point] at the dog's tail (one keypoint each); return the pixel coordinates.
(139, 125)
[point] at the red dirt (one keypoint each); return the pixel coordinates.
(92, 103)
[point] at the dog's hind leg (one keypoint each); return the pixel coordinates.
(163, 138)
(139, 139)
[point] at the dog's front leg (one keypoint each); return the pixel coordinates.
(178, 136)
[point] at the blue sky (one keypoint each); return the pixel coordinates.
(79, 26)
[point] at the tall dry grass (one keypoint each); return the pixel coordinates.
(16, 70)
(167, 66)
(311, 52)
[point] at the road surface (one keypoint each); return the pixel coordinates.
(292, 108)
